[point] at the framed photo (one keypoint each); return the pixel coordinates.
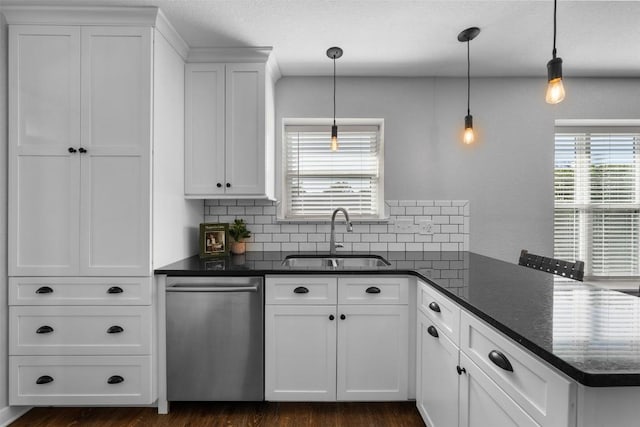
(214, 240)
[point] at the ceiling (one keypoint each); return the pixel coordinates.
(411, 37)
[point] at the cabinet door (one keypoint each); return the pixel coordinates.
(204, 130)
(245, 129)
(300, 353)
(436, 376)
(372, 352)
(483, 403)
(116, 134)
(44, 123)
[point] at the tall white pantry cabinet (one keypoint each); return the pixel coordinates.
(90, 126)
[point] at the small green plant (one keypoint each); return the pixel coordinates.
(238, 230)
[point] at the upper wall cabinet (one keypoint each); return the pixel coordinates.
(229, 126)
(79, 152)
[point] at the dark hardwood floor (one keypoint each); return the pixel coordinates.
(221, 414)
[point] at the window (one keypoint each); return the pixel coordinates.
(317, 180)
(597, 199)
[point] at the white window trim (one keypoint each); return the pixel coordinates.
(281, 166)
(620, 282)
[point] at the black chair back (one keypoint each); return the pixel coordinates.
(572, 270)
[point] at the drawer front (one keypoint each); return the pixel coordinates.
(80, 380)
(441, 310)
(79, 330)
(80, 291)
(300, 290)
(373, 290)
(544, 394)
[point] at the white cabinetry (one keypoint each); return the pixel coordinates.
(229, 129)
(317, 348)
(80, 103)
(92, 115)
(470, 375)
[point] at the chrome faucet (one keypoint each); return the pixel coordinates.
(332, 241)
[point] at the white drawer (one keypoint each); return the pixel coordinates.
(79, 291)
(80, 380)
(300, 290)
(373, 290)
(79, 330)
(544, 394)
(441, 310)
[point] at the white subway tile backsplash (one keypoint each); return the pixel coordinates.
(450, 228)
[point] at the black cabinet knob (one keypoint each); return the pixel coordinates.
(331, 317)
(500, 360)
(434, 306)
(301, 290)
(228, 184)
(115, 290)
(219, 185)
(460, 370)
(82, 150)
(45, 379)
(44, 330)
(432, 331)
(44, 290)
(373, 290)
(71, 150)
(115, 329)
(115, 379)
(342, 317)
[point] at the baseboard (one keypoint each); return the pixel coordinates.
(9, 414)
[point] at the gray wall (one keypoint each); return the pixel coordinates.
(507, 176)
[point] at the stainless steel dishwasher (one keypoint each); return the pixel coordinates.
(215, 338)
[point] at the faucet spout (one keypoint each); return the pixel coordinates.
(332, 239)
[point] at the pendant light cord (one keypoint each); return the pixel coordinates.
(468, 80)
(555, 14)
(334, 90)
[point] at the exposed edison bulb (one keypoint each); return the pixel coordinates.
(469, 137)
(555, 91)
(334, 138)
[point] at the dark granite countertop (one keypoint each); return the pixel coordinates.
(590, 334)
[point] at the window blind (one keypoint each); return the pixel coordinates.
(318, 180)
(597, 199)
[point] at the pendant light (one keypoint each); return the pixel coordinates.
(334, 53)
(555, 88)
(466, 36)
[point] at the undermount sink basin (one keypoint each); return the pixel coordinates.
(337, 262)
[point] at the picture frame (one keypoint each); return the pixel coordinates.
(214, 240)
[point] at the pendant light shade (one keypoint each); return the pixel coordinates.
(466, 36)
(334, 53)
(555, 88)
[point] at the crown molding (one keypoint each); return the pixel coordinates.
(163, 25)
(80, 15)
(229, 54)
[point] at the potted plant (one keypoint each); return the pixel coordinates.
(238, 231)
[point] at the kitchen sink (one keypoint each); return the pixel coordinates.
(336, 262)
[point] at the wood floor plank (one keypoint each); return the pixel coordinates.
(232, 414)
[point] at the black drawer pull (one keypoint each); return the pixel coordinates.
(44, 329)
(71, 150)
(45, 379)
(433, 331)
(331, 317)
(44, 290)
(115, 290)
(373, 290)
(500, 360)
(301, 290)
(115, 379)
(115, 329)
(82, 150)
(434, 306)
(342, 316)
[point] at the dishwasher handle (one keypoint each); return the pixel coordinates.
(212, 289)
